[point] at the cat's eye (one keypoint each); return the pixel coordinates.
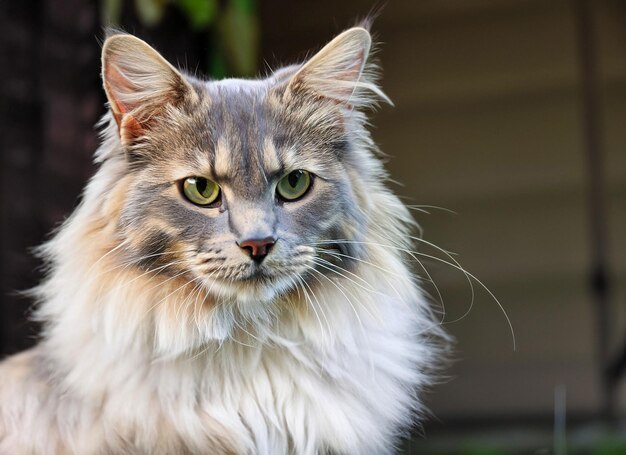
(294, 185)
(201, 191)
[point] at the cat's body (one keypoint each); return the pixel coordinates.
(319, 344)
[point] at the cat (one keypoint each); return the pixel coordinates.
(237, 278)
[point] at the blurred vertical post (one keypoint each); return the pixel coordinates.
(560, 420)
(594, 155)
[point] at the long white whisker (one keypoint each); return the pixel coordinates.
(123, 243)
(467, 277)
(187, 300)
(342, 292)
(453, 265)
(126, 264)
(304, 286)
(437, 290)
(424, 208)
(149, 310)
(327, 264)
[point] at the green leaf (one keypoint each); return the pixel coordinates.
(247, 6)
(200, 13)
(110, 11)
(610, 448)
(239, 33)
(150, 12)
(217, 67)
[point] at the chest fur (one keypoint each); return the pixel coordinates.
(282, 398)
(285, 396)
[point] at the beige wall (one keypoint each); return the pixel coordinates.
(487, 123)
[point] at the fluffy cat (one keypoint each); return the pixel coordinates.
(236, 278)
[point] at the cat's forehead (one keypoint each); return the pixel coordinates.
(236, 106)
(242, 128)
(243, 131)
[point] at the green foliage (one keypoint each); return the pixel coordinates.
(150, 11)
(110, 11)
(200, 13)
(232, 26)
(239, 35)
(611, 448)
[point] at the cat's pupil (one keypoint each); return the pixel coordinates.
(293, 178)
(201, 186)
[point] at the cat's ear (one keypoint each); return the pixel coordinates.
(139, 84)
(340, 71)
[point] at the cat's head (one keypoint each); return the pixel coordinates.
(245, 190)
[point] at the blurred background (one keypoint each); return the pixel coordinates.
(509, 113)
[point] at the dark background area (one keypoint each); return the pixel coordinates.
(52, 98)
(50, 102)
(512, 113)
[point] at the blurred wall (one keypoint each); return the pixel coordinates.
(488, 122)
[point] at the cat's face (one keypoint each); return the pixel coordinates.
(241, 186)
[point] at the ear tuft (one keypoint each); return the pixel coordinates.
(139, 83)
(340, 71)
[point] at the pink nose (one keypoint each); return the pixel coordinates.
(257, 248)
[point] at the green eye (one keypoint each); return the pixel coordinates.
(201, 191)
(294, 185)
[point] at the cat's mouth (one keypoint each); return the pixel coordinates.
(252, 275)
(258, 285)
(259, 275)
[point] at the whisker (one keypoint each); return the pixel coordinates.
(467, 278)
(342, 292)
(197, 308)
(424, 208)
(246, 331)
(149, 310)
(321, 261)
(461, 268)
(304, 283)
(123, 243)
(437, 290)
(119, 287)
(435, 258)
(362, 328)
(336, 253)
(186, 301)
(127, 264)
(381, 268)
